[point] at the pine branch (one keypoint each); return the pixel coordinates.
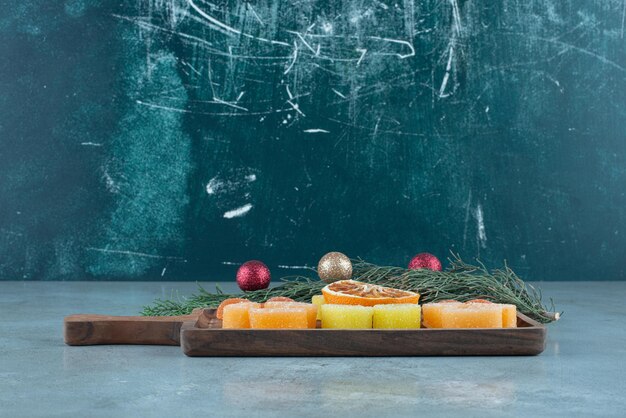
(461, 281)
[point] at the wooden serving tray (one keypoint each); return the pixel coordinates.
(205, 337)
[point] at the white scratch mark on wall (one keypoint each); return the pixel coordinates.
(456, 16)
(446, 76)
(238, 212)
(382, 5)
(316, 131)
(294, 58)
(137, 254)
(91, 144)
(299, 35)
(575, 48)
(397, 41)
(296, 107)
(282, 266)
(481, 233)
(213, 185)
(363, 52)
(623, 18)
(191, 67)
(254, 13)
(230, 263)
(156, 106)
(213, 21)
(220, 101)
(339, 94)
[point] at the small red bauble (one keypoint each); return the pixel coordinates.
(425, 261)
(253, 275)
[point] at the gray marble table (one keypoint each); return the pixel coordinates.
(581, 373)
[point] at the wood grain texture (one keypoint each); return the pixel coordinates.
(87, 329)
(527, 339)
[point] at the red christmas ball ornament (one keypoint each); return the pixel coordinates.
(253, 275)
(425, 261)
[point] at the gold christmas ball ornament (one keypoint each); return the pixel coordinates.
(334, 266)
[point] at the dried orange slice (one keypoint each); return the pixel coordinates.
(351, 292)
(220, 309)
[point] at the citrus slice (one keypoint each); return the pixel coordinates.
(220, 309)
(351, 292)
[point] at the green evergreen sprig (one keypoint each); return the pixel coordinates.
(461, 281)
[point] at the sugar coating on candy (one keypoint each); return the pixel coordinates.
(398, 316)
(220, 309)
(472, 315)
(279, 318)
(479, 301)
(509, 316)
(311, 310)
(236, 315)
(432, 312)
(318, 300)
(347, 316)
(280, 299)
(476, 313)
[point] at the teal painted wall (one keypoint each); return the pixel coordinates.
(174, 139)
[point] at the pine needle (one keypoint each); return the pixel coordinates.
(461, 281)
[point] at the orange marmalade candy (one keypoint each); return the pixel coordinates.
(431, 312)
(509, 316)
(311, 310)
(237, 315)
(220, 309)
(278, 318)
(472, 315)
(509, 312)
(280, 299)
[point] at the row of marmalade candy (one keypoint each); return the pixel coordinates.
(295, 315)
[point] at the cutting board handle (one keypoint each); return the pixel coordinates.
(87, 329)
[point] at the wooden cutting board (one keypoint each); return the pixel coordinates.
(201, 334)
(88, 329)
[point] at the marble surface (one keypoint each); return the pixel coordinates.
(581, 372)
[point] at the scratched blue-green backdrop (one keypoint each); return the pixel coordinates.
(174, 139)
